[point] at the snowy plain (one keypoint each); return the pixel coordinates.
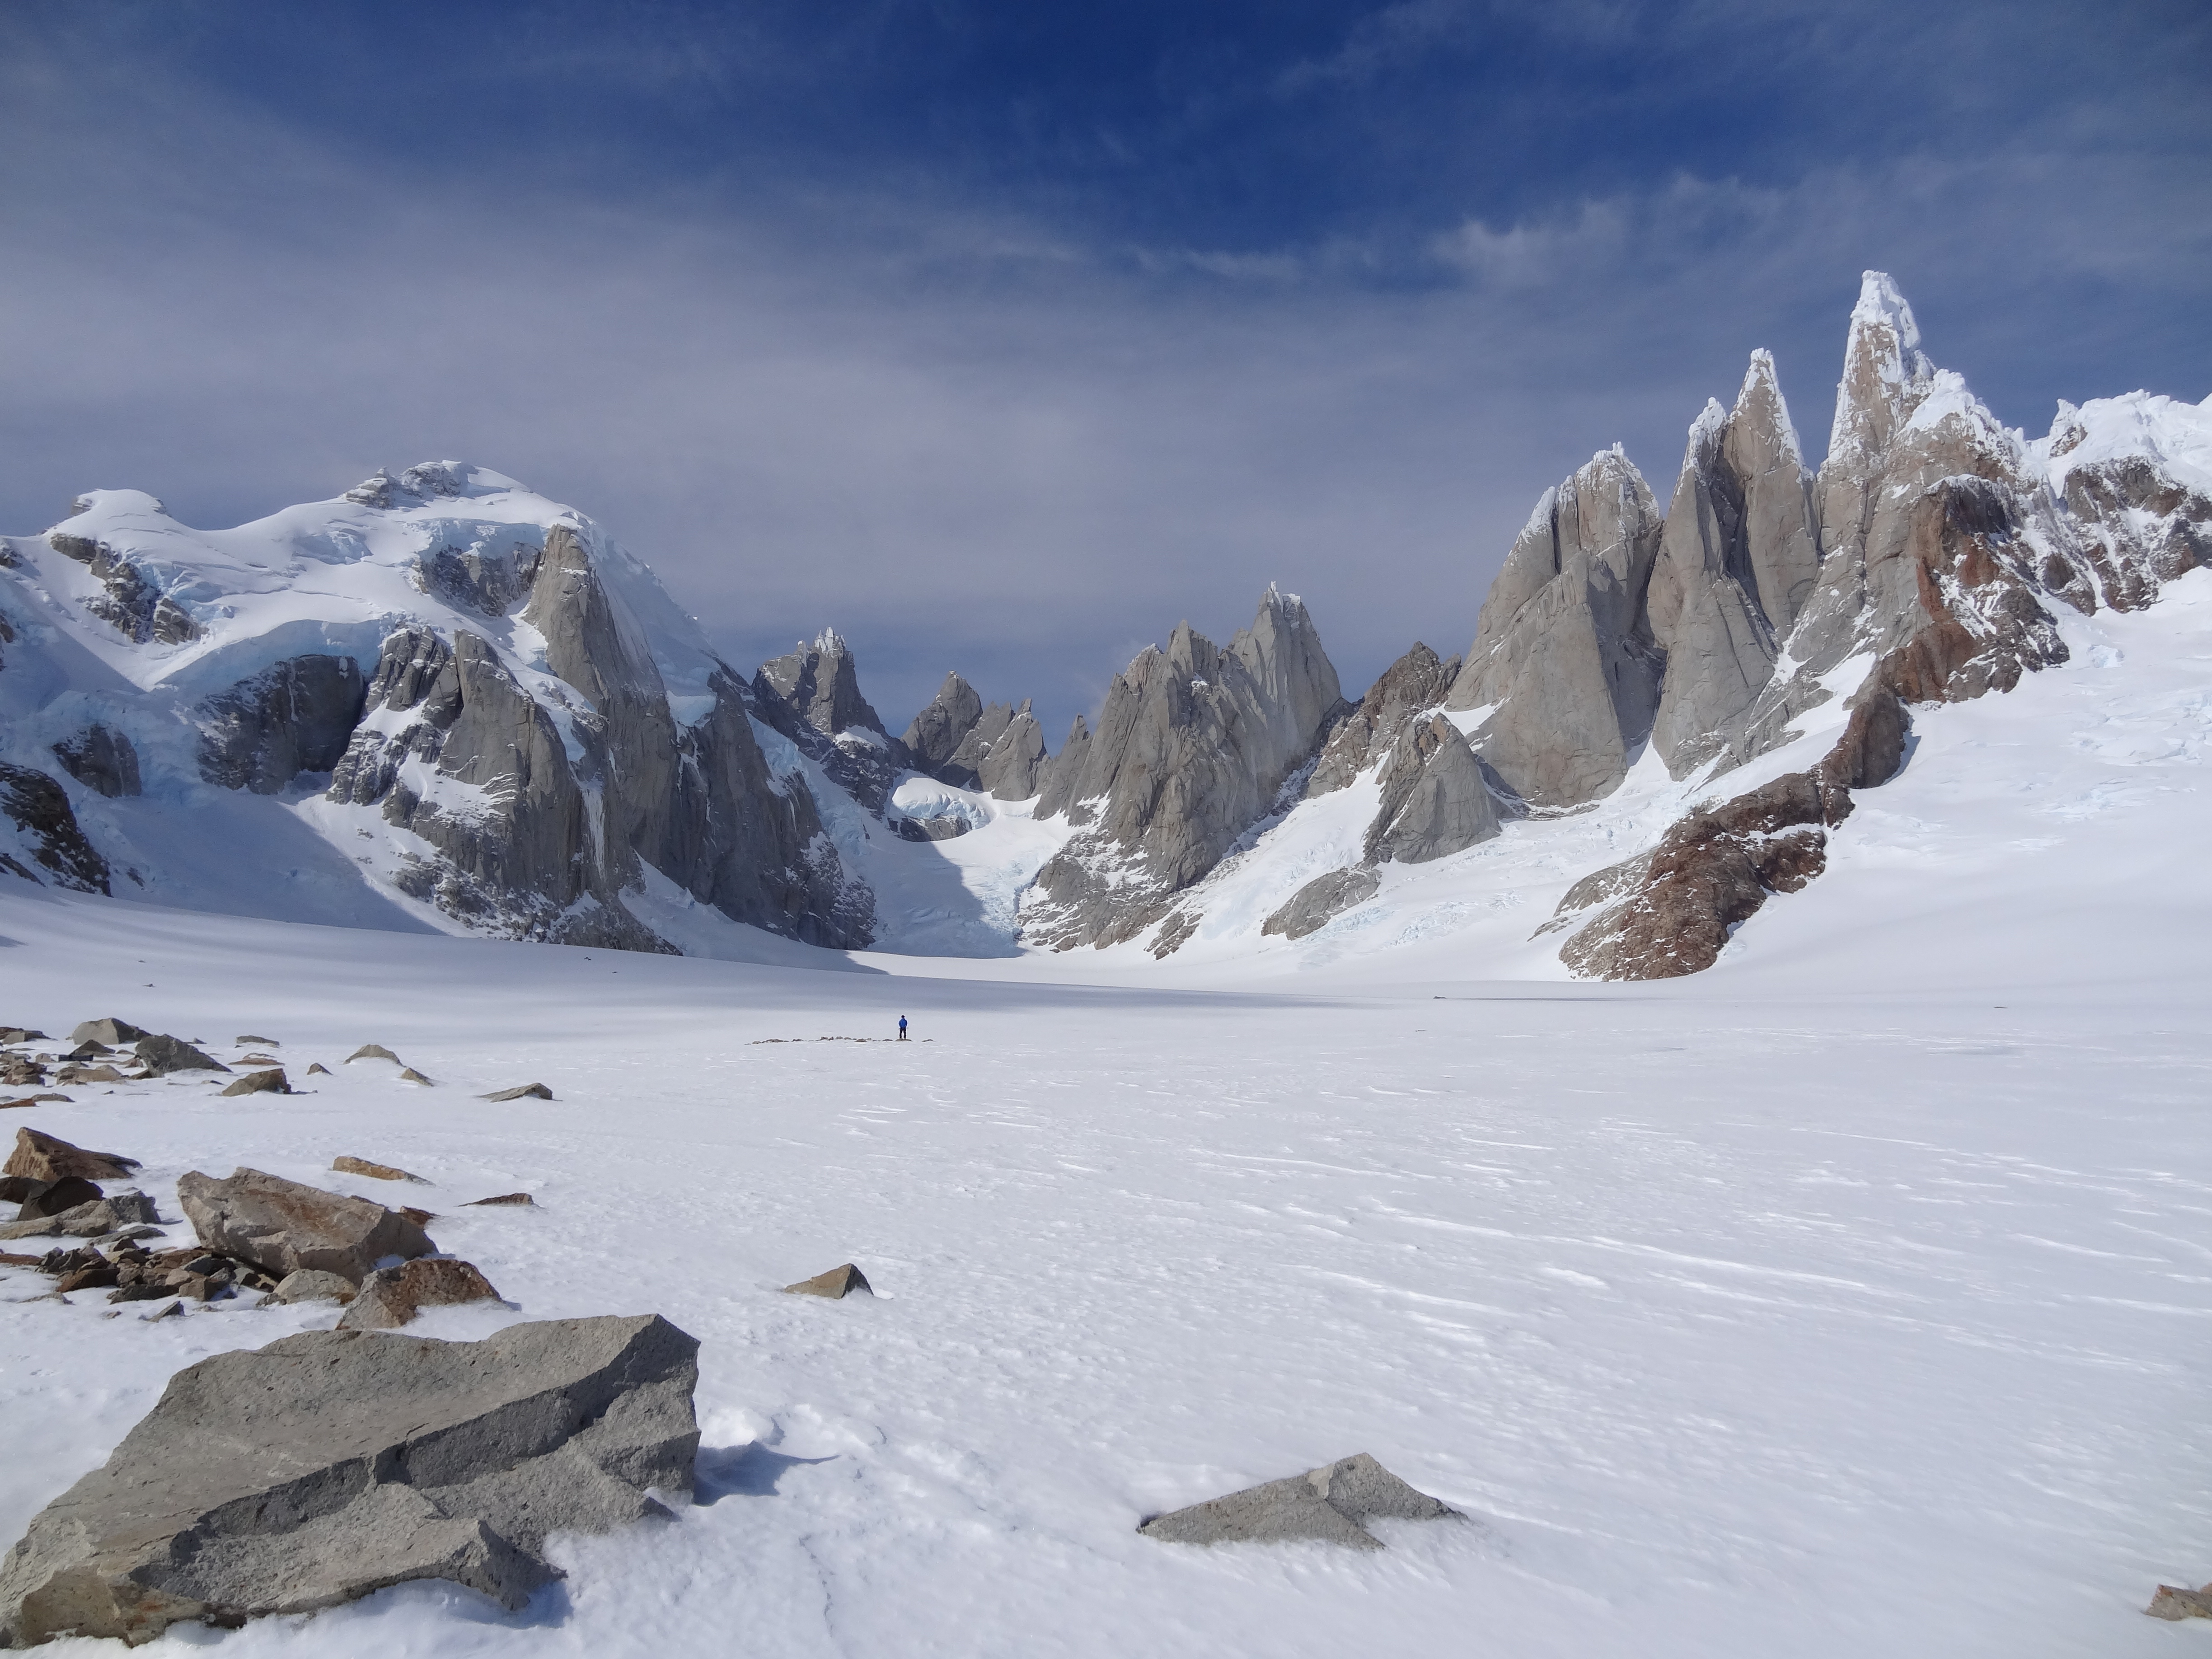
(1850, 1297)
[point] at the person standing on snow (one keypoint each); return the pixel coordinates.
(902, 1028)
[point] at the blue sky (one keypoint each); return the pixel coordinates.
(1003, 337)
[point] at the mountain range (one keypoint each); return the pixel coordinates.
(443, 701)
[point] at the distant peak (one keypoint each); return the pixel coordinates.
(1881, 300)
(828, 643)
(427, 480)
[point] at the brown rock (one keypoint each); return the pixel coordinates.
(391, 1297)
(48, 1157)
(18, 1189)
(82, 1074)
(527, 1092)
(281, 1226)
(420, 1218)
(504, 1198)
(838, 1282)
(362, 1166)
(318, 1067)
(261, 1083)
(262, 1042)
(372, 1051)
(64, 1194)
(409, 1074)
(86, 1279)
(9, 1259)
(2173, 1602)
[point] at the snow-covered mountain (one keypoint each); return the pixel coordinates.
(443, 701)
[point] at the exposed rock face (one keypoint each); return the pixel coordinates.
(101, 758)
(1193, 747)
(281, 1226)
(1059, 778)
(1563, 654)
(1331, 1504)
(1003, 753)
(47, 834)
(812, 696)
(134, 604)
(333, 1463)
(937, 732)
(1434, 800)
(2136, 515)
(1322, 899)
(297, 716)
(1415, 683)
(1737, 561)
(1671, 910)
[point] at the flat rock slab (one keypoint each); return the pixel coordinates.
(114, 1032)
(362, 1166)
(1330, 1504)
(503, 1198)
(259, 1042)
(109, 1215)
(310, 1285)
(838, 1282)
(527, 1092)
(281, 1226)
(49, 1157)
(261, 1083)
(391, 1297)
(162, 1056)
(333, 1463)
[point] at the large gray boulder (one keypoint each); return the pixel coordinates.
(1191, 749)
(294, 716)
(282, 1226)
(331, 1464)
(1331, 1504)
(38, 1156)
(1563, 655)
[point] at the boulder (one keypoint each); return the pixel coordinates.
(372, 1051)
(527, 1092)
(20, 1189)
(409, 1074)
(318, 1068)
(837, 1283)
(281, 1226)
(113, 1032)
(89, 1050)
(391, 1297)
(362, 1166)
(311, 1285)
(64, 1194)
(1312, 907)
(90, 1074)
(161, 1055)
(2175, 1602)
(1330, 1504)
(272, 1082)
(48, 1157)
(18, 1034)
(259, 1042)
(503, 1198)
(333, 1463)
(112, 1214)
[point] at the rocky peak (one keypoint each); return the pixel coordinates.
(1562, 652)
(937, 732)
(1885, 371)
(820, 685)
(1413, 685)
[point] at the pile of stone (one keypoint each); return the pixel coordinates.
(57, 1187)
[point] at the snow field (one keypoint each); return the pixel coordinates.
(1744, 1317)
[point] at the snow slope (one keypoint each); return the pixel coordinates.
(1829, 1311)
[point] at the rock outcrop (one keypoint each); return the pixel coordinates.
(1564, 659)
(47, 834)
(959, 741)
(1322, 900)
(392, 1296)
(295, 716)
(333, 1463)
(133, 602)
(936, 734)
(282, 1226)
(102, 759)
(1331, 1504)
(1435, 802)
(40, 1157)
(1191, 749)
